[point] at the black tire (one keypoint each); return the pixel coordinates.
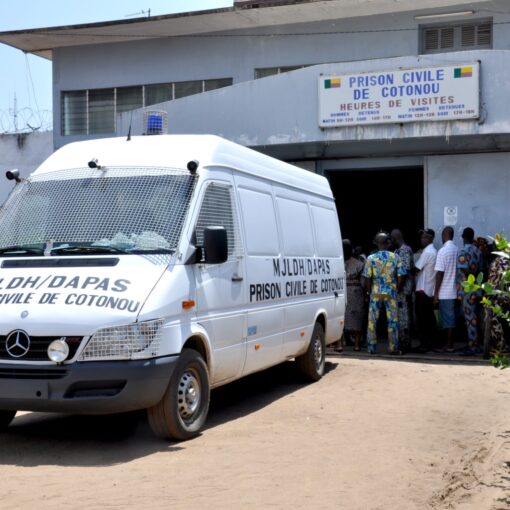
(5, 419)
(182, 411)
(312, 364)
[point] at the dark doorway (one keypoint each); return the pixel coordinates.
(378, 199)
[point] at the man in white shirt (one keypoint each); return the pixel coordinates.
(424, 297)
(445, 292)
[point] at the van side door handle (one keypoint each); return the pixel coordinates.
(237, 278)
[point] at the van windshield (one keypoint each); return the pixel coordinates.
(128, 210)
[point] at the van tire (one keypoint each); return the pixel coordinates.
(312, 363)
(5, 419)
(181, 413)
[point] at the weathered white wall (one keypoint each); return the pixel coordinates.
(24, 152)
(478, 184)
(283, 109)
(191, 58)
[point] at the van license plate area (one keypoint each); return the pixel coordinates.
(23, 390)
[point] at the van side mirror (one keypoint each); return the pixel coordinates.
(215, 245)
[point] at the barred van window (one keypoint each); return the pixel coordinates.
(218, 210)
(133, 209)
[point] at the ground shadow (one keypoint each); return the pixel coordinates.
(36, 439)
(255, 392)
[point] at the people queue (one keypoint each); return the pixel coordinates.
(393, 281)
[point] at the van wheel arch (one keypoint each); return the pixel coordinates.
(198, 344)
(312, 364)
(321, 319)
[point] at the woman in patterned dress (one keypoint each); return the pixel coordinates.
(355, 309)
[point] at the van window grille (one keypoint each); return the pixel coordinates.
(132, 209)
(218, 209)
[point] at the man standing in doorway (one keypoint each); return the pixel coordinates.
(445, 293)
(383, 274)
(424, 297)
(405, 254)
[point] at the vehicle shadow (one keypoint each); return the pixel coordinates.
(37, 439)
(255, 392)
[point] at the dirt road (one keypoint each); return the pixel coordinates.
(372, 434)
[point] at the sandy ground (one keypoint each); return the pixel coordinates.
(372, 434)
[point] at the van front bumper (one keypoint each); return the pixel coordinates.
(100, 387)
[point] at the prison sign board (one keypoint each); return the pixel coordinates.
(406, 95)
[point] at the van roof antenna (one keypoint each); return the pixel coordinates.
(128, 139)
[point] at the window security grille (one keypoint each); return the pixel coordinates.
(457, 37)
(132, 209)
(87, 112)
(218, 209)
(269, 71)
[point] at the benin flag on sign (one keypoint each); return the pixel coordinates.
(332, 83)
(463, 72)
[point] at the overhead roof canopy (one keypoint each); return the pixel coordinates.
(245, 15)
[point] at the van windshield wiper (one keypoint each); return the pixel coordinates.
(85, 249)
(22, 250)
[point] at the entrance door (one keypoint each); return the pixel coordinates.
(370, 200)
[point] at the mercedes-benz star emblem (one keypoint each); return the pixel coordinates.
(17, 343)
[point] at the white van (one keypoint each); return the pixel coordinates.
(138, 274)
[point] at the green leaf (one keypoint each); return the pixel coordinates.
(501, 243)
(487, 288)
(471, 278)
(479, 278)
(469, 287)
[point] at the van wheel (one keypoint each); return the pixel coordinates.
(182, 411)
(313, 362)
(5, 418)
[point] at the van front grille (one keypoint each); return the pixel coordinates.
(38, 349)
(32, 373)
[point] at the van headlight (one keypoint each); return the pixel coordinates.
(139, 340)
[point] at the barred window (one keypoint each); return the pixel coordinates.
(89, 112)
(218, 210)
(101, 110)
(74, 104)
(456, 37)
(269, 71)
